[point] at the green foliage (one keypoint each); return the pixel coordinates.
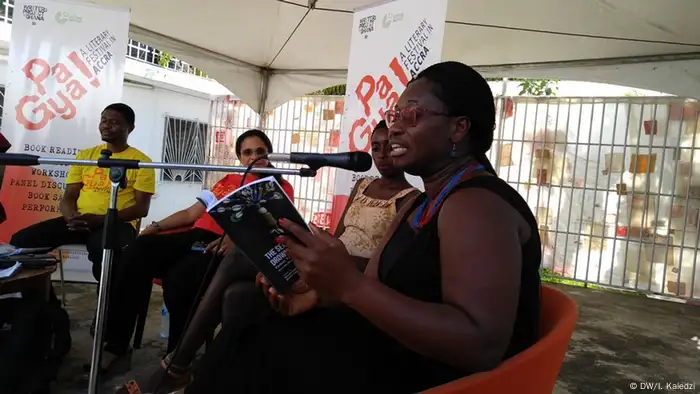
(337, 90)
(199, 73)
(165, 59)
(538, 87)
(533, 87)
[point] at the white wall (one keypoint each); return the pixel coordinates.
(152, 105)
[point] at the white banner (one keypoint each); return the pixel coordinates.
(391, 43)
(66, 65)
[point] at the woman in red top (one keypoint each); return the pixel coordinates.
(176, 257)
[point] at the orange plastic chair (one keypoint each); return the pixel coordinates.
(535, 370)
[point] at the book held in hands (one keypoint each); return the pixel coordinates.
(250, 217)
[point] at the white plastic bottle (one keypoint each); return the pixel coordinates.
(164, 321)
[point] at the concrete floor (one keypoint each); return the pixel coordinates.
(624, 340)
(81, 302)
(621, 340)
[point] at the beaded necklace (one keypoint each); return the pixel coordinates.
(422, 217)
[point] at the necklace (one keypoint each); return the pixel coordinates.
(422, 216)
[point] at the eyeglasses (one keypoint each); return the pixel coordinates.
(258, 152)
(409, 115)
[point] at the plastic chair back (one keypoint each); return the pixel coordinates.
(535, 370)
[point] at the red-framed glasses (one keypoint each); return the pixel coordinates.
(409, 115)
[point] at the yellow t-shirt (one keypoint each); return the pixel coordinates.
(95, 194)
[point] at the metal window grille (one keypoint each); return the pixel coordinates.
(614, 183)
(306, 124)
(6, 11)
(184, 141)
(145, 53)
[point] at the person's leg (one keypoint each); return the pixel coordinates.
(233, 284)
(302, 354)
(50, 233)
(125, 234)
(235, 267)
(242, 303)
(146, 257)
(181, 287)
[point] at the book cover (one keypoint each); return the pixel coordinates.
(250, 217)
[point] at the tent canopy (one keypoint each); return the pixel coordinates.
(269, 51)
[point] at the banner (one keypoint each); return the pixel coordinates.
(66, 64)
(391, 43)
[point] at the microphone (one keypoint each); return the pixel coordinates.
(351, 161)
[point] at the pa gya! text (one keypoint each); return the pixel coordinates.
(366, 90)
(35, 111)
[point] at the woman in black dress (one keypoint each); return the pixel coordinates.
(453, 290)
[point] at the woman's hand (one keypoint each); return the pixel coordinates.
(299, 300)
(322, 260)
(226, 245)
(151, 229)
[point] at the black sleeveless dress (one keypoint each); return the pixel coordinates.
(336, 350)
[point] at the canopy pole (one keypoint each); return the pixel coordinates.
(501, 124)
(264, 86)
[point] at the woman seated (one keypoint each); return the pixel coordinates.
(155, 255)
(232, 297)
(453, 289)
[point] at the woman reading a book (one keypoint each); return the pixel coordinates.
(176, 257)
(453, 289)
(233, 298)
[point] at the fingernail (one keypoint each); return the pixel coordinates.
(278, 240)
(281, 222)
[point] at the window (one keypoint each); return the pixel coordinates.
(7, 8)
(184, 142)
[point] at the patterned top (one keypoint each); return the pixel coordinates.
(367, 220)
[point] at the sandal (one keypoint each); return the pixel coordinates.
(175, 379)
(119, 365)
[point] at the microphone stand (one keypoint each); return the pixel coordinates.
(117, 177)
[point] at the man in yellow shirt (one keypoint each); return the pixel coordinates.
(87, 195)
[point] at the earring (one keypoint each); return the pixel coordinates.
(454, 150)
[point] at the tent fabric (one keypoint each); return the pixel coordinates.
(302, 49)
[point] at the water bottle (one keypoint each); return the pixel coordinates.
(164, 321)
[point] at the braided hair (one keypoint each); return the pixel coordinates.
(466, 93)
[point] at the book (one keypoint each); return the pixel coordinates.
(9, 271)
(7, 250)
(250, 217)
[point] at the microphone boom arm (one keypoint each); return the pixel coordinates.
(26, 160)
